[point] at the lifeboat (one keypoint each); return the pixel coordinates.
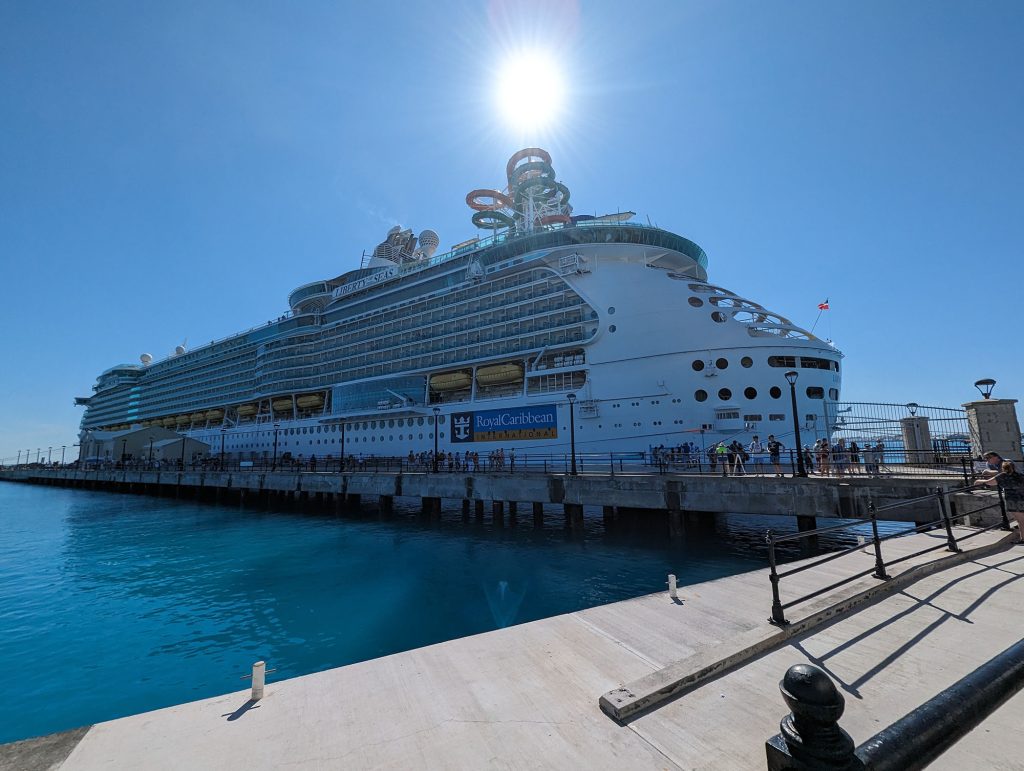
(282, 405)
(499, 374)
(167, 422)
(451, 381)
(183, 420)
(198, 417)
(246, 410)
(310, 401)
(214, 414)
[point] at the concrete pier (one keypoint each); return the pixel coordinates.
(623, 491)
(528, 696)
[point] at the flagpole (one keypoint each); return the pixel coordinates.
(821, 308)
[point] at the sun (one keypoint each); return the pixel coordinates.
(531, 91)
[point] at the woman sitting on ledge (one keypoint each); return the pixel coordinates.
(1011, 482)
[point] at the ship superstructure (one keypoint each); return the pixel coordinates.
(489, 339)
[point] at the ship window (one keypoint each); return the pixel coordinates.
(696, 302)
(727, 415)
(611, 328)
(718, 316)
(746, 362)
(776, 417)
(833, 393)
(698, 365)
(724, 394)
(722, 363)
(753, 418)
(419, 422)
(701, 395)
(809, 362)
(815, 392)
(782, 361)
(611, 311)
(750, 393)
(775, 392)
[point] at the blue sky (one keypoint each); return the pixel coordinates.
(172, 170)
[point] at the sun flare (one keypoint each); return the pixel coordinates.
(531, 91)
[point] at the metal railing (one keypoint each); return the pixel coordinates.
(810, 735)
(945, 520)
(610, 463)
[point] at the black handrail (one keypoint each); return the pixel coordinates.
(945, 519)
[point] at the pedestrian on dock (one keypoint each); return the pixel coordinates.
(774, 454)
(756, 450)
(993, 464)
(1011, 482)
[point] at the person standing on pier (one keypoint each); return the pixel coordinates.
(756, 450)
(774, 453)
(1011, 482)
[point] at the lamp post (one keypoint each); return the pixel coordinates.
(985, 386)
(223, 431)
(151, 451)
(572, 433)
(49, 456)
(273, 466)
(437, 412)
(124, 444)
(791, 377)
(342, 467)
(19, 458)
(39, 450)
(183, 438)
(62, 448)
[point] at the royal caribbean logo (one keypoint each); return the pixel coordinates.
(510, 425)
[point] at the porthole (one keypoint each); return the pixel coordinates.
(696, 302)
(722, 363)
(698, 365)
(775, 392)
(611, 327)
(724, 394)
(746, 362)
(611, 311)
(750, 393)
(701, 395)
(391, 424)
(718, 316)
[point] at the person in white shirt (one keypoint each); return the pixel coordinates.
(756, 451)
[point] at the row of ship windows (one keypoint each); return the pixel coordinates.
(427, 312)
(725, 394)
(805, 362)
(508, 347)
(380, 337)
(440, 340)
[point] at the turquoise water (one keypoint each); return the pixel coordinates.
(116, 604)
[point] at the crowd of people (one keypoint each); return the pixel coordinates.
(760, 458)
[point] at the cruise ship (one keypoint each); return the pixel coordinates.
(488, 344)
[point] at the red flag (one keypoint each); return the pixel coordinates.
(823, 306)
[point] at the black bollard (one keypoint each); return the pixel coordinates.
(810, 736)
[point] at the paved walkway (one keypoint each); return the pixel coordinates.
(527, 696)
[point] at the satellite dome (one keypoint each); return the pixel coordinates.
(146, 358)
(429, 241)
(178, 350)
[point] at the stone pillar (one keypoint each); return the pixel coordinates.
(498, 512)
(994, 427)
(917, 440)
(386, 504)
(354, 500)
(513, 512)
(538, 514)
(675, 524)
(478, 509)
(805, 523)
(610, 515)
(465, 508)
(573, 516)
